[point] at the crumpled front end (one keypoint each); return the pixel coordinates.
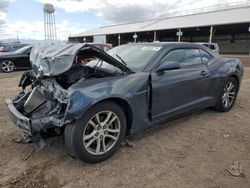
(46, 103)
(39, 111)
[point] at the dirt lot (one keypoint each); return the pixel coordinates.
(194, 151)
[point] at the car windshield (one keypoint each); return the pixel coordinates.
(135, 56)
(22, 50)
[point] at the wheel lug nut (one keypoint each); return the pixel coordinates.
(96, 134)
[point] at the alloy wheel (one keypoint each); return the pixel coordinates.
(101, 132)
(229, 94)
(8, 66)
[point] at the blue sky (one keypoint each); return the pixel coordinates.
(25, 17)
(31, 11)
(23, 14)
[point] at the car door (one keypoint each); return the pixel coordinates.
(24, 59)
(176, 91)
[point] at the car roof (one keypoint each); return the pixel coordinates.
(169, 44)
(206, 43)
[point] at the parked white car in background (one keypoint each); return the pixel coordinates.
(212, 46)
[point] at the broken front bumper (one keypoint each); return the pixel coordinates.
(22, 122)
(30, 128)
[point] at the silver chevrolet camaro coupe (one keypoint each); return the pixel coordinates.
(96, 98)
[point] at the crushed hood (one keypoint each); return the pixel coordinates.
(53, 60)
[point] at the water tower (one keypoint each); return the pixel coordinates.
(49, 23)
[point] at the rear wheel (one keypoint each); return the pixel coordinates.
(7, 66)
(227, 95)
(96, 136)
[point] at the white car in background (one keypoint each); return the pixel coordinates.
(212, 46)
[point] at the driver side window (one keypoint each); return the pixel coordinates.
(186, 57)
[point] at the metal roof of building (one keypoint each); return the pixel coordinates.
(210, 16)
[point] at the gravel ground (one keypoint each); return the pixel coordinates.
(194, 151)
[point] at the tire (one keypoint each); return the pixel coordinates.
(225, 94)
(68, 139)
(7, 66)
(94, 142)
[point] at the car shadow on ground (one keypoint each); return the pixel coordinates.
(55, 146)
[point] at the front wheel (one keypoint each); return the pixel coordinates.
(96, 136)
(227, 95)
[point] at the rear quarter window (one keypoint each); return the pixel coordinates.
(205, 56)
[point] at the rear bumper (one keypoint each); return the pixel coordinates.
(23, 123)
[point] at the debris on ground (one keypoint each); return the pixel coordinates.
(18, 140)
(28, 154)
(237, 115)
(128, 143)
(21, 141)
(236, 169)
(226, 135)
(211, 150)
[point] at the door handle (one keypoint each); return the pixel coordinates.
(203, 73)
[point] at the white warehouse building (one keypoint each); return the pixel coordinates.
(226, 24)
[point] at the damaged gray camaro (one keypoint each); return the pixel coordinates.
(95, 98)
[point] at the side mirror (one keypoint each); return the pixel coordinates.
(170, 65)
